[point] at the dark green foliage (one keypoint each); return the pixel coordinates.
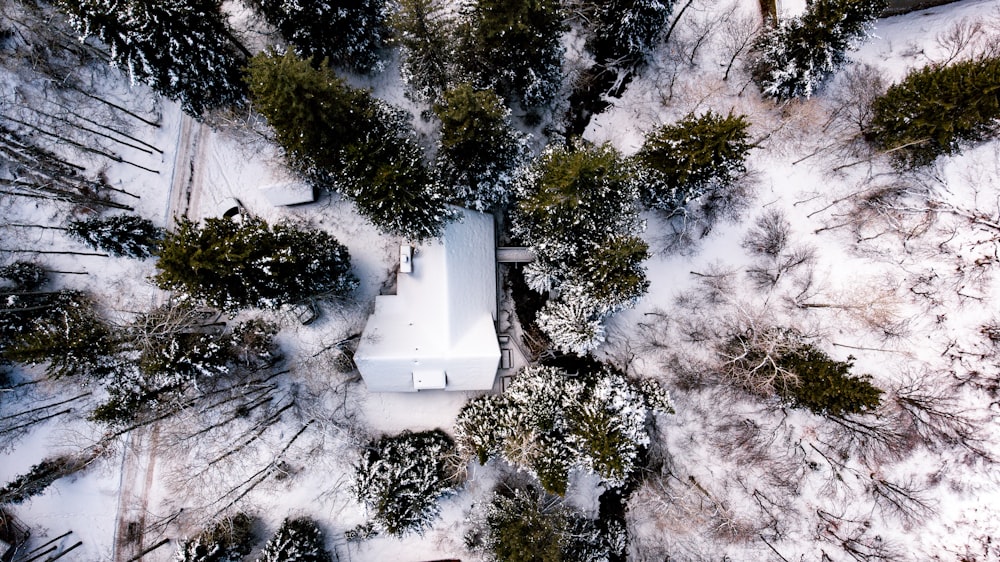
(38, 478)
(24, 275)
(825, 386)
(60, 329)
(522, 525)
(121, 235)
(342, 137)
(181, 48)
(935, 109)
(479, 150)
(512, 46)
(297, 540)
(624, 32)
(424, 31)
(232, 265)
(795, 57)
(400, 479)
(229, 540)
(346, 33)
(694, 156)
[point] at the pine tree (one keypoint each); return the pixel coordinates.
(344, 138)
(183, 49)
(425, 32)
(795, 57)
(38, 478)
(696, 155)
(513, 47)
(24, 276)
(935, 109)
(229, 540)
(479, 150)
(572, 326)
(623, 33)
(825, 386)
(121, 235)
(297, 540)
(400, 478)
(234, 265)
(360, 29)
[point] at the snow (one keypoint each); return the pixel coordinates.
(441, 317)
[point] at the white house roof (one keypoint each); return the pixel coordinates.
(441, 319)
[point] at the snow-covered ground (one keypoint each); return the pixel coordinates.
(903, 288)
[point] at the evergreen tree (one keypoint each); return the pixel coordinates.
(360, 29)
(400, 478)
(578, 212)
(572, 326)
(234, 265)
(344, 138)
(793, 58)
(550, 423)
(623, 33)
(24, 276)
(121, 235)
(513, 47)
(425, 32)
(696, 155)
(183, 49)
(297, 540)
(935, 109)
(229, 540)
(38, 479)
(480, 149)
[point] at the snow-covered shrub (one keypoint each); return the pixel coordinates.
(233, 265)
(229, 540)
(935, 109)
(550, 422)
(297, 540)
(121, 235)
(699, 154)
(573, 326)
(794, 58)
(524, 525)
(400, 479)
(479, 149)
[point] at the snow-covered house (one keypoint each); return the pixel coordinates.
(438, 330)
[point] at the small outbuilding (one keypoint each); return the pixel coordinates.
(439, 330)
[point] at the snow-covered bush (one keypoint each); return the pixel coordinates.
(232, 265)
(229, 540)
(121, 235)
(550, 422)
(400, 479)
(794, 58)
(699, 154)
(297, 540)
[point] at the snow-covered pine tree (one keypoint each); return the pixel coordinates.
(623, 33)
(682, 161)
(229, 540)
(513, 47)
(425, 33)
(936, 108)
(183, 49)
(120, 235)
(38, 478)
(234, 265)
(24, 276)
(400, 479)
(297, 540)
(550, 423)
(794, 58)
(479, 150)
(360, 26)
(572, 325)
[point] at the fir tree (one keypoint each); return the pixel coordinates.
(572, 326)
(550, 423)
(624, 32)
(38, 478)
(696, 155)
(935, 109)
(24, 276)
(513, 47)
(234, 265)
(360, 29)
(297, 540)
(480, 149)
(794, 58)
(425, 33)
(229, 540)
(400, 479)
(121, 235)
(183, 49)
